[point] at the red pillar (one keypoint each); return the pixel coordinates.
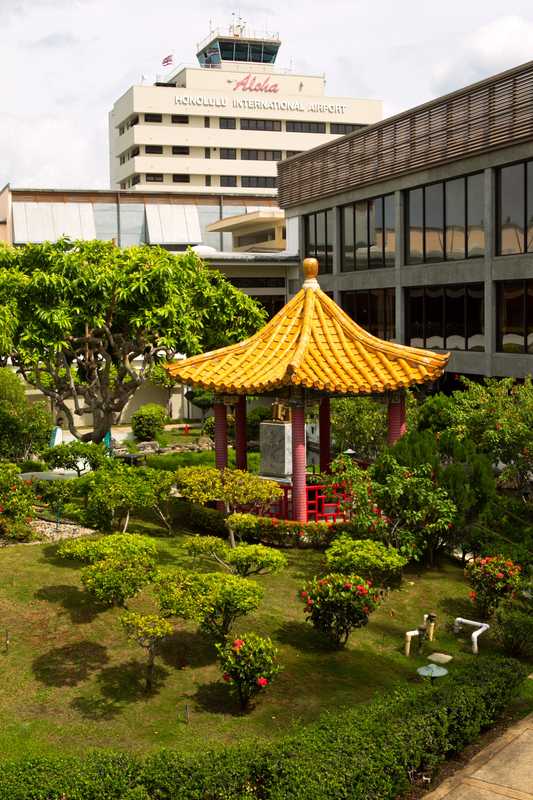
(240, 434)
(221, 435)
(396, 415)
(299, 498)
(324, 434)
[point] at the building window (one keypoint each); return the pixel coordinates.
(318, 242)
(514, 325)
(153, 149)
(135, 152)
(445, 220)
(180, 150)
(291, 153)
(228, 152)
(207, 152)
(153, 118)
(208, 180)
(207, 122)
(227, 123)
(295, 126)
(373, 310)
(181, 179)
(260, 124)
(271, 303)
(258, 283)
(154, 177)
(344, 127)
(180, 119)
(258, 182)
(446, 317)
(248, 239)
(368, 234)
(515, 209)
(261, 155)
(135, 179)
(228, 180)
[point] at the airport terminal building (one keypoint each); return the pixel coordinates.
(226, 122)
(423, 224)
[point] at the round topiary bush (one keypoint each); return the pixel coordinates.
(148, 421)
(493, 579)
(375, 561)
(248, 664)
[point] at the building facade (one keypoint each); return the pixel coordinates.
(423, 224)
(225, 123)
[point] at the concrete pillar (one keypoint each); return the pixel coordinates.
(241, 460)
(324, 433)
(299, 461)
(221, 435)
(396, 419)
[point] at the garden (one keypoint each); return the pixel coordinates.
(176, 640)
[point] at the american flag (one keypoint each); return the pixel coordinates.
(167, 61)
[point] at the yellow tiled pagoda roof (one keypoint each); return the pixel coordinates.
(311, 343)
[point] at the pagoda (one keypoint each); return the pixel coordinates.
(309, 352)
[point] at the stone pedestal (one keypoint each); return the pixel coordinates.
(275, 441)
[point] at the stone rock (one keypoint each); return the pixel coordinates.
(148, 447)
(205, 443)
(440, 658)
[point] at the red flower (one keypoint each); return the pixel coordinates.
(226, 677)
(310, 601)
(347, 586)
(262, 682)
(366, 610)
(361, 589)
(369, 583)
(499, 575)
(237, 644)
(472, 595)
(303, 594)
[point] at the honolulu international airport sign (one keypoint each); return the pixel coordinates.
(257, 104)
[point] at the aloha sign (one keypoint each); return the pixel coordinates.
(251, 83)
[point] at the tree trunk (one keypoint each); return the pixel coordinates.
(150, 670)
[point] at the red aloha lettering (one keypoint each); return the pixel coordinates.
(250, 83)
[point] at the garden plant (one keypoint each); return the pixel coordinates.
(248, 664)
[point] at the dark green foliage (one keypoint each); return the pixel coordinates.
(76, 455)
(350, 754)
(513, 625)
(25, 427)
(254, 419)
(32, 466)
(200, 398)
(148, 421)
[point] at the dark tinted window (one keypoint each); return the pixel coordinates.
(153, 118)
(347, 241)
(154, 177)
(372, 309)
(344, 127)
(180, 150)
(153, 149)
(434, 222)
(228, 152)
(180, 119)
(295, 126)
(455, 219)
(181, 178)
(318, 229)
(475, 214)
(229, 123)
(446, 317)
(228, 180)
(260, 124)
(415, 226)
(258, 181)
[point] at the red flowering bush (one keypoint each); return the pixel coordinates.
(16, 504)
(493, 578)
(248, 664)
(336, 604)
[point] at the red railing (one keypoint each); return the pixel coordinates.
(325, 503)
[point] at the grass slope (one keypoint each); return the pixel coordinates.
(71, 681)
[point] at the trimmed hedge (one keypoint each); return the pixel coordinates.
(366, 752)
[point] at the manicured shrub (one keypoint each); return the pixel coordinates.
(112, 581)
(148, 421)
(493, 579)
(248, 664)
(348, 754)
(513, 627)
(25, 427)
(213, 599)
(282, 532)
(243, 560)
(123, 546)
(337, 604)
(77, 456)
(208, 427)
(381, 564)
(148, 631)
(16, 504)
(32, 466)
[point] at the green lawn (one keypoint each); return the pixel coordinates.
(71, 681)
(206, 458)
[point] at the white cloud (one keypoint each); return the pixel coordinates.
(497, 46)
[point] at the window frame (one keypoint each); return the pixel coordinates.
(443, 287)
(369, 263)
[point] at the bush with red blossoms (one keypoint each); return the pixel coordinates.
(337, 604)
(248, 665)
(493, 579)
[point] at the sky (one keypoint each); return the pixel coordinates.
(64, 62)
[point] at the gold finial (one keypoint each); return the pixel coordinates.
(310, 267)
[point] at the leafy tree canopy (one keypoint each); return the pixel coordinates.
(85, 322)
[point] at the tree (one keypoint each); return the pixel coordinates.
(235, 488)
(248, 664)
(360, 424)
(76, 455)
(114, 580)
(148, 631)
(90, 320)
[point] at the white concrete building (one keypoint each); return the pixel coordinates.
(225, 123)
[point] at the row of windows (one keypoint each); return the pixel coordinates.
(514, 325)
(245, 124)
(445, 220)
(368, 234)
(226, 181)
(373, 309)
(515, 209)
(244, 154)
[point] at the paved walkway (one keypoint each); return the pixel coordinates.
(503, 769)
